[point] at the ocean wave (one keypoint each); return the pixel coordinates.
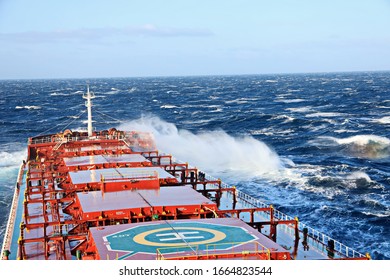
(59, 94)
(300, 109)
(265, 131)
(168, 106)
(366, 146)
(364, 140)
(237, 101)
(111, 92)
(383, 120)
(359, 175)
(376, 214)
(281, 117)
(297, 100)
(32, 107)
(325, 114)
(345, 131)
(131, 90)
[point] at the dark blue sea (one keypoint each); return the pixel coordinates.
(316, 146)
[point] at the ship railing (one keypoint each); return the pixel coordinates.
(130, 138)
(215, 251)
(318, 239)
(11, 218)
(321, 240)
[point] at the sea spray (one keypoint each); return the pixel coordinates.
(215, 151)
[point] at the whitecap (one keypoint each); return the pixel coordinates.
(359, 175)
(238, 101)
(383, 120)
(300, 109)
(344, 131)
(365, 146)
(58, 94)
(297, 100)
(168, 106)
(286, 117)
(112, 92)
(264, 131)
(294, 90)
(324, 114)
(379, 215)
(363, 140)
(29, 107)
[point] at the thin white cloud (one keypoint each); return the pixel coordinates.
(100, 34)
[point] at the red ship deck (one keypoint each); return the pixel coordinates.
(94, 176)
(164, 202)
(106, 159)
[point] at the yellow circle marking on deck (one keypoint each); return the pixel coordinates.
(140, 238)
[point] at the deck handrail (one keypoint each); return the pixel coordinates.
(212, 251)
(11, 218)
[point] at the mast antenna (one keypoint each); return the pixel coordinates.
(89, 96)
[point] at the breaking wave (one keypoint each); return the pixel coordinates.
(365, 146)
(11, 159)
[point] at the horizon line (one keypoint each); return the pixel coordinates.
(199, 75)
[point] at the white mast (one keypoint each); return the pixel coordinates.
(88, 104)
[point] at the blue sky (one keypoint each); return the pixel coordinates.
(118, 38)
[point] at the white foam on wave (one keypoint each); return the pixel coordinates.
(297, 100)
(238, 101)
(11, 159)
(32, 107)
(58, 94)
(168, 106)
(324, 114)
(215, 152)
(344, 131)
(285, 117)
(131, 90)
(383, 120)
(363, 140)
(366, 146)
(359, 175)
(377, 214)
(111, 92)
(10, 163)
(300, 109)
